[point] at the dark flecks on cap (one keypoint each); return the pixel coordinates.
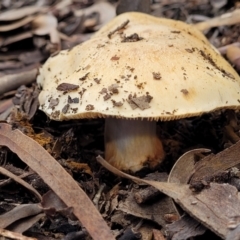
(89, 107)
(84, 77)
(104, 90)
(53, 102)
(157, 75)
(55, 114)
(189, 50)
(113, 88)
(115, 58)
(97, 80)
(73, 100)
(184, 91)
(82, 91)
(117, 104)
(141, 102)
(208, 58)
(67, 87)
(132, 38)
(176, 32)
(130, 68)
(74, 110)
(65, 108)
(106, 96)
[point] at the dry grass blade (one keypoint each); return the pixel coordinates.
(20, 181)
(225, 19)
(40, 161)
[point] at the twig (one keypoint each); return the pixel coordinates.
(123, 25)
(20, 181)
(98, 195)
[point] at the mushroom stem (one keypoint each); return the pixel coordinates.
(132, 144)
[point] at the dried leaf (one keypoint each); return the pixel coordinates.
(19, 212)
(133, 6)
(225, 19)
(20, 181)
(58, 180)
(233, 55)
(52, 204)
(4, 105)
(23, 225)
(155, 211)
(185, 228)
(14, 235)
(15, 14)
(217, 4)
(182, 170)
(13, 81)
(105, 9)
(16, 38)
(17, 24)
(213, 207)
(213, 164)
(158, 235)
(46, 25)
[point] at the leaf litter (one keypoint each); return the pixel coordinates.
(35, 29)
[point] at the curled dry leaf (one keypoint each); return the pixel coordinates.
(17, 24)
(19, 212)
(53, 174)
(26, 223)
(13, 235)
(133, 6)
(223, 49)
(15, 14)
(63, 4)
(13, 81)
(211, 165)
(16, 38)
(185, 228)
(52, 204)
(183, 169)
(4, 105)
(105, 9)
(202, 206)
(217, 4)
(46, 25)
(233, 55)
(20, 181)
(225, 19)
(156, 211)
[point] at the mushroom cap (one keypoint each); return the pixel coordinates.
(139, 66)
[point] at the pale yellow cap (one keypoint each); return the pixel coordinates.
(139, 66)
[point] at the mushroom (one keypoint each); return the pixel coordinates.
(134, 71)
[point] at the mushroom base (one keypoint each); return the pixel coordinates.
(131, 145)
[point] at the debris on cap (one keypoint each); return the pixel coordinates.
(139, 66)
